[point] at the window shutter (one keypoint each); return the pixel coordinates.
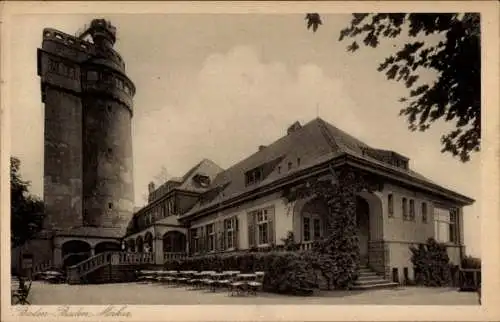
(236, 233)
(190, 241)
(271, 235)
(217, 232)
(202, 239)
(251, 229)
(222, 237)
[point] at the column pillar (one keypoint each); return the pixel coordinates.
(57, 256)
(158, 250)
(92, 251)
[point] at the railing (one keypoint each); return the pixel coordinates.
(42, 266)
(306, 246)
(74, 254)
(470, 279)
(76, 272)
(125, 258)
(171, 256)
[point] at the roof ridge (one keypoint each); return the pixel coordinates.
(332, 142)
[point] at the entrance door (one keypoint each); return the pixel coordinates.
(363, 223)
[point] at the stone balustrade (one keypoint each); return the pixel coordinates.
(171, 256)
(306, 246)
(126, 258)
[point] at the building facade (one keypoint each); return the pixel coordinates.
(248, 205)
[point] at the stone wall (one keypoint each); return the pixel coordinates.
(108, 176)
(63, 160)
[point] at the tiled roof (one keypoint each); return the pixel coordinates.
(312, 144)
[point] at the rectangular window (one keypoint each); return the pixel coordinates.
(311, 227)
(53, 66)
(211, 237)
(317, 229)
(307, 229)
(445, 225)
(390, 205)
(453, 226)
(424, 212)
(195, 248)
(92, 76)
(229, 233)
(404, 205)
(412, 210)
(253, 176)
(262, 227)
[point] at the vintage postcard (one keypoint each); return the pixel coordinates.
(249, 160)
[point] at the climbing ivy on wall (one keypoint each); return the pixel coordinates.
(337, 254)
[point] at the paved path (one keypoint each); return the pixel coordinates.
(151, 294)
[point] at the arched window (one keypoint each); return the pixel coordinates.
(404, 205)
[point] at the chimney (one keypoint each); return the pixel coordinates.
(151, 187)
(294, 127)
(262, 147)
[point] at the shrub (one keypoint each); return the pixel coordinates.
(471, 262)
(289, 242)
(285, 272)
(339, 269)
(431, 264)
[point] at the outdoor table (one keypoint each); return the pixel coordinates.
(215, 279)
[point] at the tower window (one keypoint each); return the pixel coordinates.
(92, 75)
(109, 108)
(298, 162)
(110, 150)
(110, 205)
(289, 165)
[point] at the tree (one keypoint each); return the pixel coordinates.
(455, 57)
(27, 211)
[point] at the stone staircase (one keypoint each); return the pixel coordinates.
(369, 279)
(107, 267)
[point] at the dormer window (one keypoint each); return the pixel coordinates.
(202, 180)
(253, 176)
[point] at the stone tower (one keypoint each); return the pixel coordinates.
(88, 180)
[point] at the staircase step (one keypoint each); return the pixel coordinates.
(383, 284)
(369, 277)
(371, 282)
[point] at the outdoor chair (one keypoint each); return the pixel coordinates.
(210, 281)
(256, 285)
(226, 278)
(20, 295)
(238, 285)
(183, 278)
(170, 277)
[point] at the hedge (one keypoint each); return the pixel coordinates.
(285, 272)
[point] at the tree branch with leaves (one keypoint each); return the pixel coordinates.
(27, 211)
(455, 95)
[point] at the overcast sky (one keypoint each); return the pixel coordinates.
(218, 86)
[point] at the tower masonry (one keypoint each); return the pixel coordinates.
(88, 178)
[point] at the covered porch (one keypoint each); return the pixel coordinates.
(165, 242)
(311, 222)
